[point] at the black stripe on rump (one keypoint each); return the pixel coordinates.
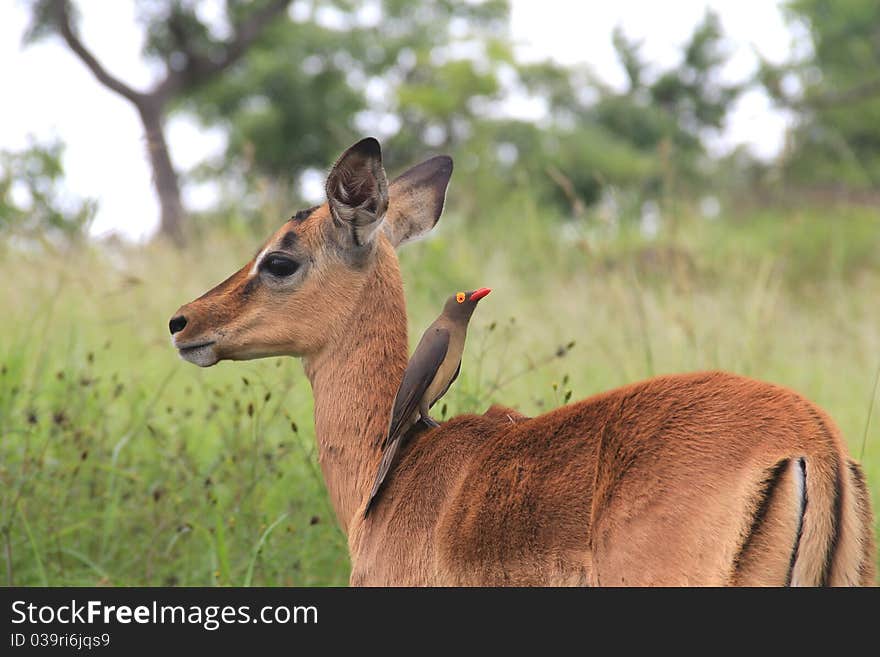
(763, 497)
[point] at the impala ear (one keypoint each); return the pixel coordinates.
(357, 192)
(416, 199)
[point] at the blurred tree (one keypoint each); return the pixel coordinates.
(190, 54)
(413, 73)
(675, 109)
(834, 87)
(420, 75)
(31, 203)
(634, 138)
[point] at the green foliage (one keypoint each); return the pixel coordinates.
(587, 158)
(835, 88)
(286, 108)
(597, 139)
(284, 105)
(308, 87)
(678, 106)
(32, 204)
(42, 24)
(174, 28)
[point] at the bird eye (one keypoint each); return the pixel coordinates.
(460, 297)
(279, 265)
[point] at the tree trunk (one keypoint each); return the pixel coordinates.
(164, 176)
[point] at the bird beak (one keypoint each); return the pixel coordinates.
(479, 294)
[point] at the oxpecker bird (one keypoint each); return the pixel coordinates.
(434, 365)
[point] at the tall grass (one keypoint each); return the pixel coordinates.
(122, 465)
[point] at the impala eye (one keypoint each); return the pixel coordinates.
(279, 265)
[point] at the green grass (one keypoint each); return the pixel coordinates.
(122, 465)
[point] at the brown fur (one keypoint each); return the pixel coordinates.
(679, 480)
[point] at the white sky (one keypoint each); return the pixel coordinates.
(49, 92)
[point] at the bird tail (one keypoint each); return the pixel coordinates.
(384, 466)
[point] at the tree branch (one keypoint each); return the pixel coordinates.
(61, 10)
(200, 67)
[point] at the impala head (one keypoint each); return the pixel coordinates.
(309, 277)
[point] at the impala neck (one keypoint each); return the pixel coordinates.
(354, 380)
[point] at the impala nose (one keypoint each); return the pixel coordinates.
(176, 324)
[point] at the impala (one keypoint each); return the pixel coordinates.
(694, 479)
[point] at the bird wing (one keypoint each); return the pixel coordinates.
(420, 372)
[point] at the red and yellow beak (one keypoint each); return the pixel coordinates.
(476, 295)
